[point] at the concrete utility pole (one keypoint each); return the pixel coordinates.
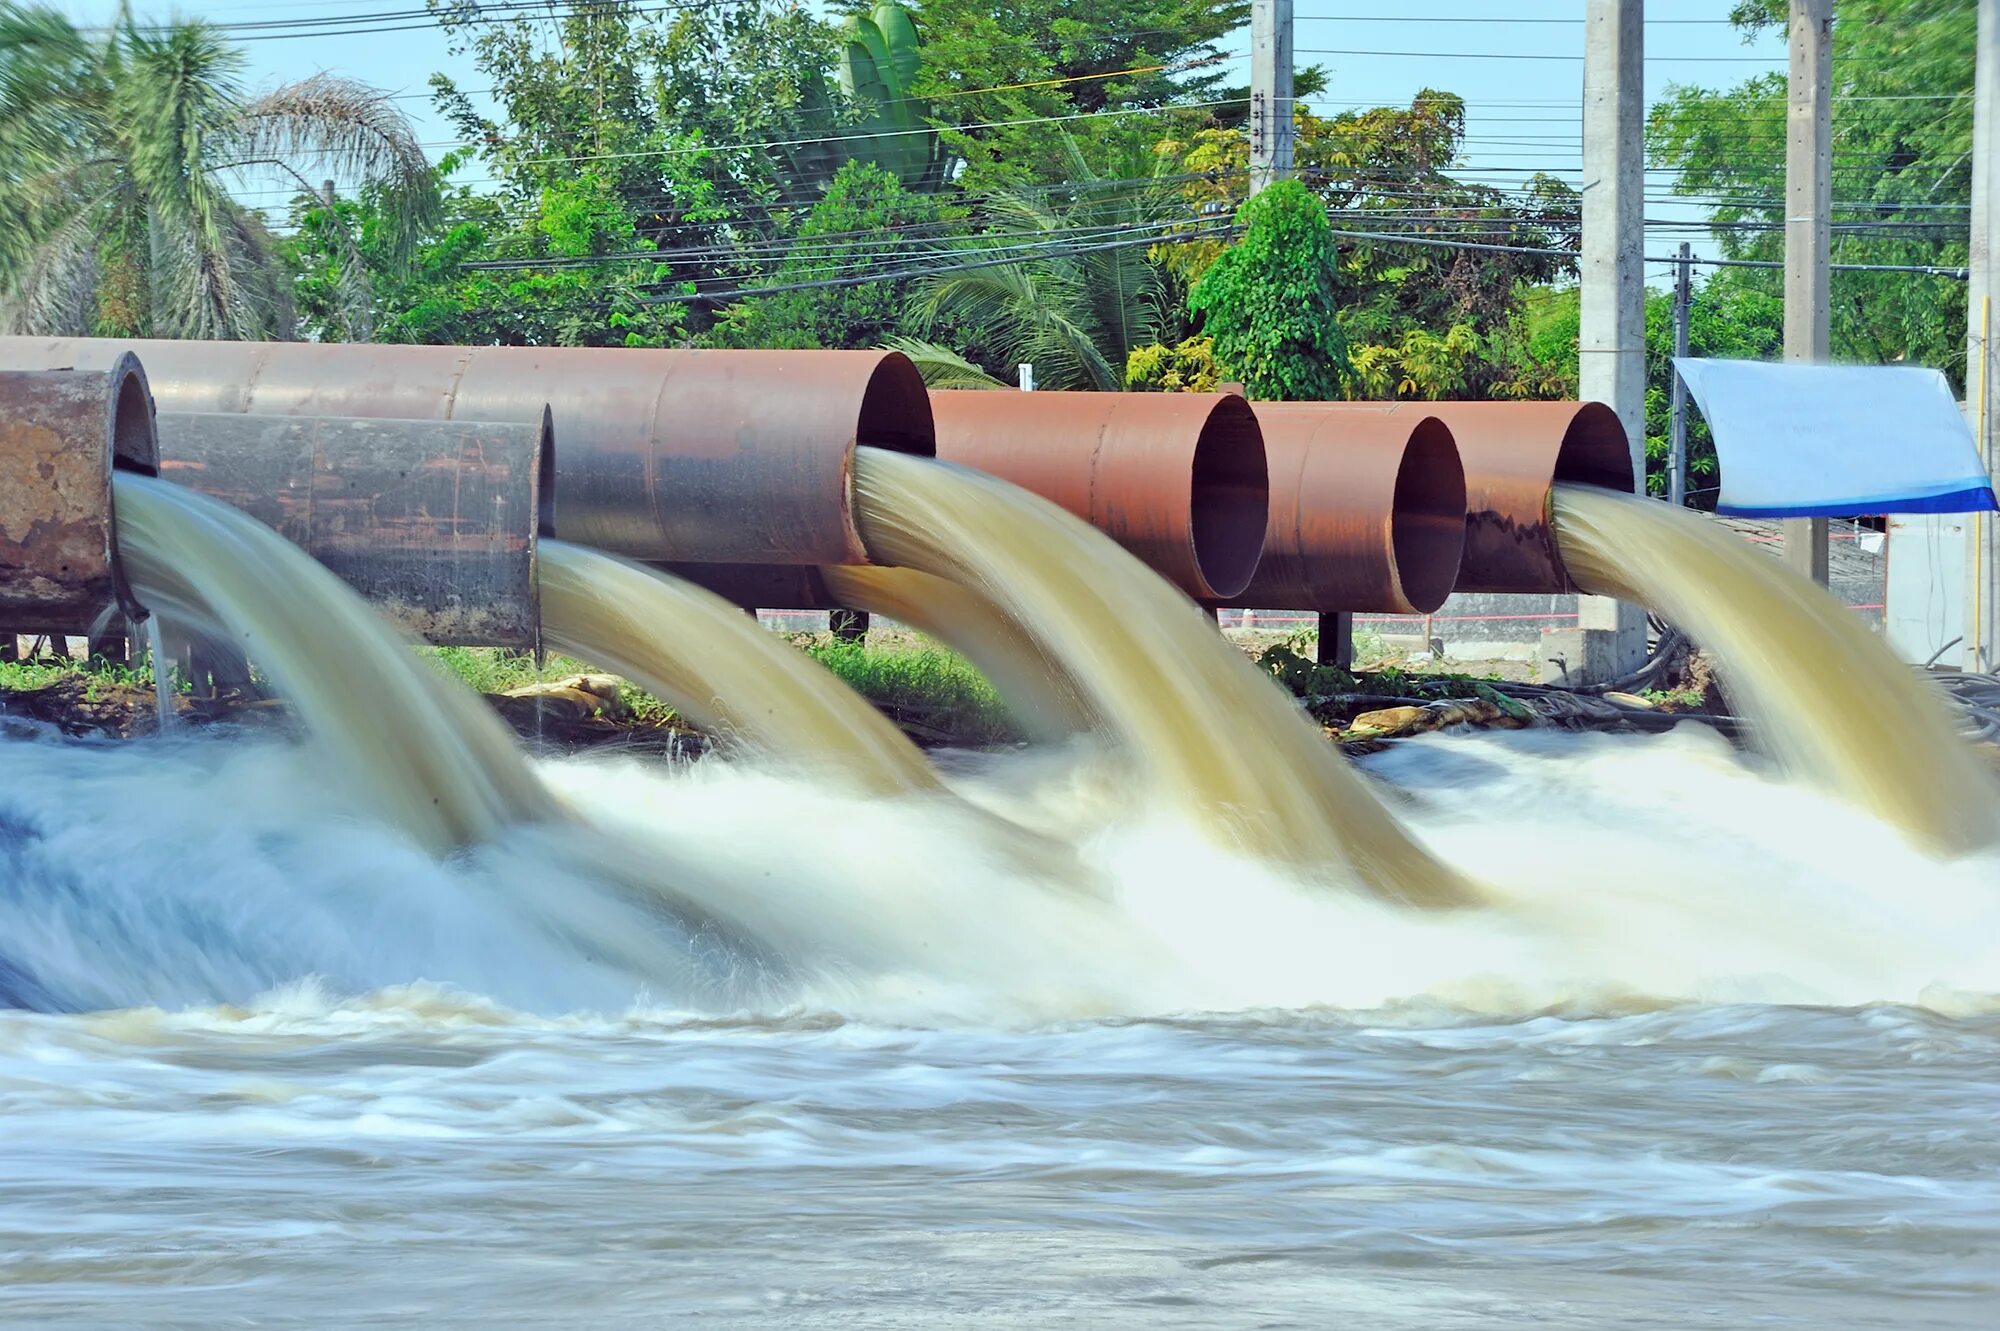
(1270, 92)
(1808, 230)
(1612, 336)
(1982, 356)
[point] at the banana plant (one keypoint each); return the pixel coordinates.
(879, 59)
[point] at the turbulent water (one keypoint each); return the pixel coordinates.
(423, 753)
(1830, 702)
(719, 669)
(1203, 725)
(1040, 695)
(1719, 1051)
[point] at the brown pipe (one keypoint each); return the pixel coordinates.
(727, 456)
(1178, 479)
(1367, 510)
(1515, 453)
(433, 522)
(62, 433)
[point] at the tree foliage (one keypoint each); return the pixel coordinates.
(115, 150)
(1902, 164)
(1271, 300)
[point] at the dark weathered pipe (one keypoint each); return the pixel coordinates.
(1367, 510)
(1178, 479)
(1514, 454)
(61, 435)
(725, 456)
(433, 522)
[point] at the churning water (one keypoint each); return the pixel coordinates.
(425, 754)
(1204, 727)
(733, 1041)
(1718, 1051)
(1830, 701)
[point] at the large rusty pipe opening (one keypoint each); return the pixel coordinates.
(434, 523)
(718, 456)
(62, 434)
(1367, 510)
(1178, 479)
(1514, 454)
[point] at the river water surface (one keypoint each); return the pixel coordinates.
(1721, 1053)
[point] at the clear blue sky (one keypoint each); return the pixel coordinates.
(1517, 64)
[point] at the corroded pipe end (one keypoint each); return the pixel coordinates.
(1515, 452)
(62, 434)
(1179, 479)
(1427, 518)
(1367, 509)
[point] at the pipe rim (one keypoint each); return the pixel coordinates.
(1427, 516)
(896, 409)
(1229, 498)
(133, 445)
(1594, 450)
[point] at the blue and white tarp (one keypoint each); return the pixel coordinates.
(1834, 441)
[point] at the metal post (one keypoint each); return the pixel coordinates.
(1270, 92)
(1982, 358)
(1808, 231)
(1336, 640)
(1612, 332)
(1683, 311)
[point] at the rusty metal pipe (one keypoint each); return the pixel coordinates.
(1179, 479)
(1515, 453)
(1367, 510)
(433, 522)
(725, 456)
(62, 433)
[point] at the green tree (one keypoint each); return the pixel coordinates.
(1075, 309)
(987, 66)
(565, 275)
(1902, 163)
(1271, 301)
(866, 210)
(1383, 172)
(114, 218)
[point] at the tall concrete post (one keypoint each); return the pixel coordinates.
(1270, 92)
(1808, 231)
(1612, 336)
(1982, 354)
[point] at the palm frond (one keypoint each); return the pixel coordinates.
(52, 292)
(337, 127)
(942, 367)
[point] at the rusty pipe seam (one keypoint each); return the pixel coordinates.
(1178, 479)
(435, 523)
(727, 456)
(1367, 511)
(1514, 454)
(62, 434)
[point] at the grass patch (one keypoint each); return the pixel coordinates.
(921, 686)
(496, 670)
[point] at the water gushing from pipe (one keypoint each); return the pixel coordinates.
(720, 670)
(427, 755)
(1828, 700)
(1209, 730)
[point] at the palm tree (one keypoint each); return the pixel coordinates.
(113, 147)
(1082, 295)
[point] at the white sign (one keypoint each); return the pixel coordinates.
(1810, 441)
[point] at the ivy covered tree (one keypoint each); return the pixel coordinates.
(1271, 301)
(1902, 171)
(866, 209)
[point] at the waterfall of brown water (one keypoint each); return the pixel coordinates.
(1042, 699)
(1205, 724)
(719, 669)
(1828, 700)
(426, 754)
